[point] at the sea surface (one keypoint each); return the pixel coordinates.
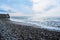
(50, 23)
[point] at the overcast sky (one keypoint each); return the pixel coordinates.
(36, 8)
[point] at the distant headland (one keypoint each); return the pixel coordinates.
(4, 16)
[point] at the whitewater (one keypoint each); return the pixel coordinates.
(37, 25)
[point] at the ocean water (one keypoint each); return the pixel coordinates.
(51, 23)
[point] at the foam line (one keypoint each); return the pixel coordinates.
(38, 26)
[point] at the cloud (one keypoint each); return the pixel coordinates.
(12, 11)
(16, 14)
(45, 8)
(4, 9)
(17, 7)
(40, 5)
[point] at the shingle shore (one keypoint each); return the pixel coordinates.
(13, 31)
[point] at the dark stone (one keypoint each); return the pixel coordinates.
(4, 16)
(1, 37)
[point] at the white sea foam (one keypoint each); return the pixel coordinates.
(39, 25)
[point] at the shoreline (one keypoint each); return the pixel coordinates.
(12, 31)
(50, 28)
